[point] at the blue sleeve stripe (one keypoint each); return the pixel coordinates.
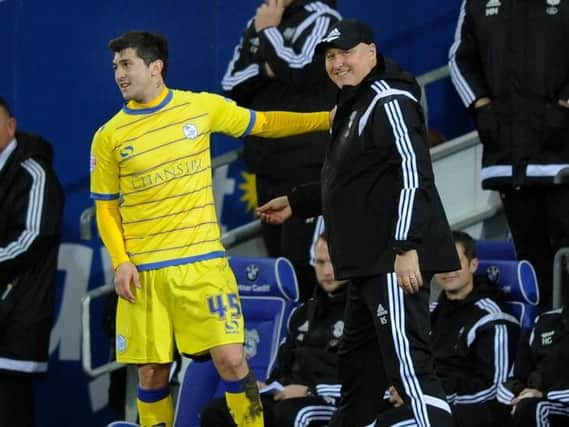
(252, 121)
(100, 196)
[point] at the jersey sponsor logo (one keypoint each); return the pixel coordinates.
(126, 151)
(190, 131)
(121, 344)
(252, 340)
(171, 172)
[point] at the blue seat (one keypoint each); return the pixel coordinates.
(268, 291)
(518, 282)
(496, 250)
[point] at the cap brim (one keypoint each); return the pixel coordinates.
(339, 44)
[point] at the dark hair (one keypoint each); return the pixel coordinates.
(467, 242)
(323, 236)
(5, 106)
(148, 46)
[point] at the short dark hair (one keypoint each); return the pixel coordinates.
(467, 243)
(5, 106)
(148, 46)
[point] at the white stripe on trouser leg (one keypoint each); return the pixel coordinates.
(406, 423)
(437, 403)
(402, 350)
(371, 425)
(313, 413)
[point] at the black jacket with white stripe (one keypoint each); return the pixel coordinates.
(31, 208)
(308, 355)
(515, 52)
(542, 362)
(300, 84)
(377, 185)
(473, 342)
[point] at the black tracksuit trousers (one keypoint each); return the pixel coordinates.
(386, 342)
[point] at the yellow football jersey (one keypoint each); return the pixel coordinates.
(157, 161)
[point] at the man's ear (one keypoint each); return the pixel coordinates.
(474, 265)
(156, 67)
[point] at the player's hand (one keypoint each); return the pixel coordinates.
(268, 70)
(125, 275)
(407, 270)
(269, 14)
(261, 385)
(481, 102)
(563, 103)
(292, 390)
(394, 397)
(275, 211)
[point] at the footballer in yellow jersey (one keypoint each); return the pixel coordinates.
(151, 180)
(158, 161)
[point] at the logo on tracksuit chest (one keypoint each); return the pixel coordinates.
(493, 7)
(551, 8)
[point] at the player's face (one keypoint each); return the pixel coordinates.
(459, 282)
(133, 76)
(324, 270)
(349, 67)
(7, 129)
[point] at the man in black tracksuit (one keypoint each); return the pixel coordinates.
(473, 339)
(387, 229)
(274, 68)
(31, 205)
(306, 361)
(538, 389)
(510, 66)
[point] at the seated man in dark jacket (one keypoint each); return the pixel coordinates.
(538, 389)
(306, 361)
(474, 341)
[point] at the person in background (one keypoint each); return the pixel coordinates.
(152, 185)
(274, 68)
(31, 211)
(510, 67)
(307, 359)
(537, 391)
(474, 341)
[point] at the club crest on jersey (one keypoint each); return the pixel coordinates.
(190, 131)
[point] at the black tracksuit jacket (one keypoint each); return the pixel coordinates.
(308, 356)
(377, 187)
(31, 209)
(515, 52)
(542, 361)
(300, 84)
(473, 341)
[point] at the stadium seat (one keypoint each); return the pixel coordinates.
(268, 292)
(496, 250)
(518, 281)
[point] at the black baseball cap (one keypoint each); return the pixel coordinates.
(346, 34)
